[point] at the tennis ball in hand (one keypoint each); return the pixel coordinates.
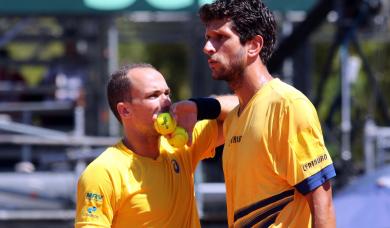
(165, 124)
(178, 138)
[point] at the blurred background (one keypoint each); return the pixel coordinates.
(56, 56)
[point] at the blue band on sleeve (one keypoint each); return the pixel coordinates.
(313, 182)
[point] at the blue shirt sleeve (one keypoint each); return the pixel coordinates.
(313, 182)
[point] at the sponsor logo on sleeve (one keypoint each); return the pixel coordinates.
(91, 212)
(315, 162)
(94, 197)
(91, 209)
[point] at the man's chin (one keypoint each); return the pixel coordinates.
(218, 77)
(214, 75)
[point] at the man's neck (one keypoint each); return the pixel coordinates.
(252, 81)
(143, 146)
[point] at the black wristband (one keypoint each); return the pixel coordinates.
(208, 108)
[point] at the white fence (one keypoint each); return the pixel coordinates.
(376, 145)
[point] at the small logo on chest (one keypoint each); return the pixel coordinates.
(175, 166)
(235, 139)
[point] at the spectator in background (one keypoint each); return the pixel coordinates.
(8, 74)
(9, 78)
(67, 76)
(68, 73)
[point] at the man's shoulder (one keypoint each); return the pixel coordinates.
(285, 90)
(110, 158)
(286, 94)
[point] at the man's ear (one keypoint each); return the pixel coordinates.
(122, 109)
(255, 45)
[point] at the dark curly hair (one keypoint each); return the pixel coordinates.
(249, 17)
(119, 86)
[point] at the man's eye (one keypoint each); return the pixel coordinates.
(219, 37)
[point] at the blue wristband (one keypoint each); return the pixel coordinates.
(208, 108)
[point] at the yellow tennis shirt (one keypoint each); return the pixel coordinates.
(274, 154)
(122, 189)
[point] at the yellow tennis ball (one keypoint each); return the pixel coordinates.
(165, 124)
(178, 138)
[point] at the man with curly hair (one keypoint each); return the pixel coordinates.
(276, 166)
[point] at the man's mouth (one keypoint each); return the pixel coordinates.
(212, 62)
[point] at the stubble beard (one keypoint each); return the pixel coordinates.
(232, 72)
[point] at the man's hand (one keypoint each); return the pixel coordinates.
(185, 113)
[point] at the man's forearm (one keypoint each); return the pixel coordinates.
(214, 107)
(321, 207)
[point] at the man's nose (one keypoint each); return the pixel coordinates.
(166, 101)
(208, 48)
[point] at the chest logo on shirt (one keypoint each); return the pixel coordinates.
(175, 166)
(236, 139)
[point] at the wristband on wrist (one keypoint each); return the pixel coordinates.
(208, 108)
